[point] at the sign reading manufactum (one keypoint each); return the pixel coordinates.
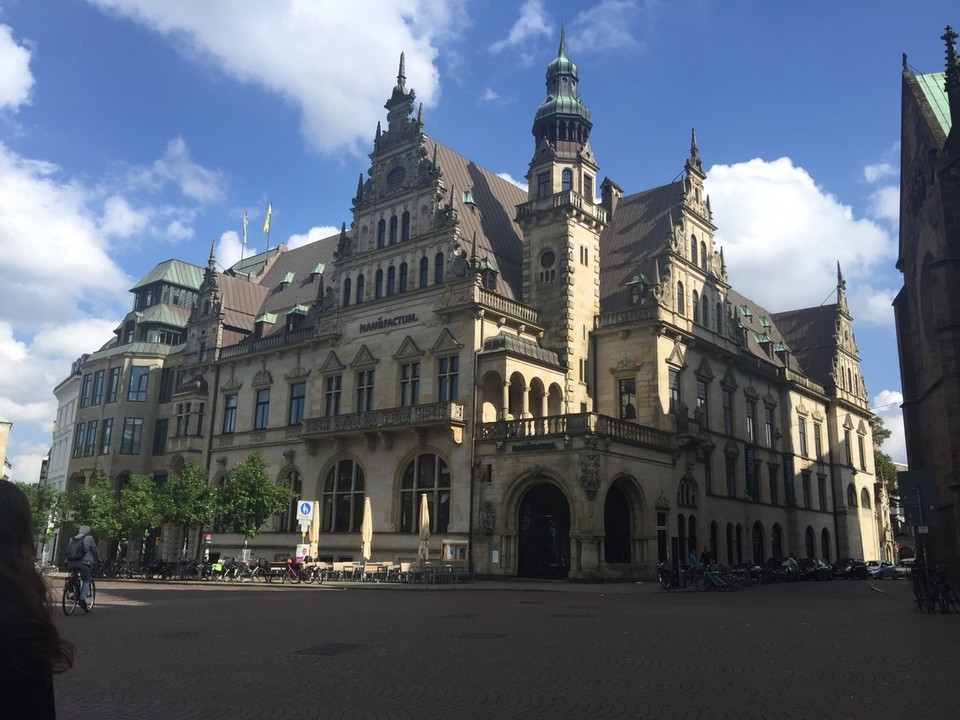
(382, 323)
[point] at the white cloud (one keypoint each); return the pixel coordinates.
(26, 468)
(329, 59)
(885, 204)
(312, 235)
(604, 27)
(879, 171)
(531, 24)
(230, 248)
(195, 181)
(886, 404)
(16, 80)
(773, 217)
(509, 178)
(120, 219)
(489, 95)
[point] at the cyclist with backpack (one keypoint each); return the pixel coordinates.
(82, 553)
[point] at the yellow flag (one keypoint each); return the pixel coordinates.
(266, 222)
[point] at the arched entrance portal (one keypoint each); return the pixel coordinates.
(544, 536)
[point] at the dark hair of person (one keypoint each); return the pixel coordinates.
(25, 623)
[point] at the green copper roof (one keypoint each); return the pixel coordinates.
(932, 87)
(268, 318)
(175, 272)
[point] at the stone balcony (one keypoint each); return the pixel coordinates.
(441, 414)
(577, 425)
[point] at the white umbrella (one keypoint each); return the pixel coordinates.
(423, 553)
(366, 529)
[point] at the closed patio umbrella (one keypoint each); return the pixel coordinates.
(366, 529)
(423, 552)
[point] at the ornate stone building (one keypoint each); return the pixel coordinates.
(563, 369)
(928, 306)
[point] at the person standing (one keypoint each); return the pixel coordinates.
(31, 649)
(82, 559)
(706, 557)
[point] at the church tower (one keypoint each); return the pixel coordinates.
(561, 224)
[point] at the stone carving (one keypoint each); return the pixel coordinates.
(488, 517)
(590, 473)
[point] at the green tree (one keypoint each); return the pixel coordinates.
(136, 509)
(96, 505)
(886, 470)
(249, 496)
(48, 505)
(186, 500)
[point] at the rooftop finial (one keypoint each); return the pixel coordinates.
(212, 262)
(562, 52)
(401, 75)
(694, 152)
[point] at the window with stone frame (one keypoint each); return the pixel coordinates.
(802, 433)
(751, 421)
(78, 439)
(726, 396)
(332, 387)
(731, 474)
(544, 183)
(673, 377)
(818, 441)
(113, 384)
(627, 391)
(862, 452)
(768, 426)
(360, 289)
(448, 378)
(410, 384)
(342, 498)
(106, 436)
(230, 413)
(773, 478)
(807, 490)
(365, 380)
(426, 474)
(298, 396)
(139, 377)
(703, 403)
(261, 414)
(90, 446)
(97, 388)
(822, 491)
(132, 434)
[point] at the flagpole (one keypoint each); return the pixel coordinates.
(243, 247)
(266, 225)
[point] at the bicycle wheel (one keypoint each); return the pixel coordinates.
(702, 583)
(69, 599)
(292, 576)
(319, 575)
(260, 575)
(91, 596)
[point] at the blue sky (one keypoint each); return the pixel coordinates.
(133, 132)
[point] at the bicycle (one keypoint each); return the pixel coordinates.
(71, 593)
(46, 568)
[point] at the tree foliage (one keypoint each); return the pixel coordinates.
(886, 470)
(186, 499)
(47, 505)
(96, 505)
(136, 509)
(249, 496)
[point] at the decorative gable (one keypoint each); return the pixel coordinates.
(408, 348)
(704, 371)
(364, 357)
(332, 363)
(446, 343)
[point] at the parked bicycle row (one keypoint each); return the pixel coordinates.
(933, 591)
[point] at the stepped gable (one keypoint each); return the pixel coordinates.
(810, 333)
(638, 233)
(492, 222)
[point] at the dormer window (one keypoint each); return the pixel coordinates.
(287, 279)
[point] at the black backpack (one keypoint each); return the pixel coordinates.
(75, 550)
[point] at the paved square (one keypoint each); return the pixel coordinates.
(846, 649)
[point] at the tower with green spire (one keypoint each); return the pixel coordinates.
(561, 224)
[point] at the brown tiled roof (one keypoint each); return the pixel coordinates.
(811, 332)
(637, 234)
(241, 301)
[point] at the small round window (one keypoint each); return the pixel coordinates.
(548, 259)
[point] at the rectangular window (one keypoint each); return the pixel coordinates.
(160, 436)
(802, 430)
(588, 187)
(113, 384)
(106, 436)
(139, 375)
(703, 404)
(543, 185)
(78, 439)
(805, 483)
(183, 420)
(628, 398)
(298, 394)
(731, 469)
(846, 447)
(674, 390)
(87, 389)
(789, 493)
(97, 387)
(230, 414)
(863, 454)
(90, 447)
(132, 433)
(818, 441)
(410, 384)
(331, 395)
(708, 476)
(166, 385)
(751, 421)
(727, 397)
(261, 415)
(448, 378)
(200, 420)
(365, 380)
(822, 491)
(768, 426)
(773, 481)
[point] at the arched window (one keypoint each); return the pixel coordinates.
(776, 542)
(851, 495)
(438, 268)
(403, 277)
(811, 542)
(342, 498)
(381, 233)
(425, 474)
(757, 538)
(424, 272)
(288, 521)
(391, 281)
(825, 545)
(681, 539)
(359, 289)
(703, 256)
(691, 535)
(378, 284)
(346, 292)
(729, 543)
(696, 307)
(566, 180)
(719, 318)
(681, 308)
(705, 310)
(865, 499)
(393, 229)
(693, 249)
(405, 226)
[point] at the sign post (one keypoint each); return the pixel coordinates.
(306, 510)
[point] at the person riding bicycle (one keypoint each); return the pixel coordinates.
(83, 564)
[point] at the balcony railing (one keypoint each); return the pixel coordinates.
(442, 413)
(269, 342)
(579, 424)
(507, 306)
(626, 317)
(568, 198)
